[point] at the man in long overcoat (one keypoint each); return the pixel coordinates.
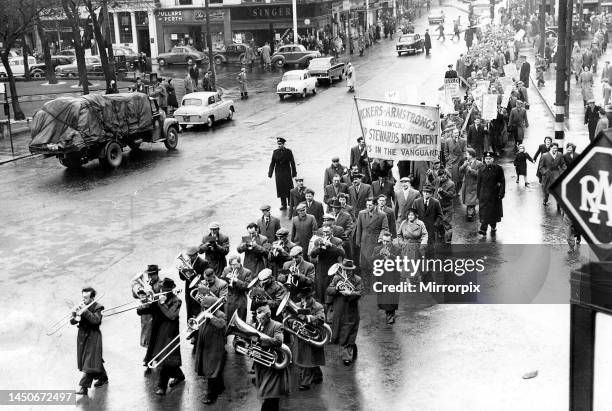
(326, 250)
(237, 278)
(469, 169)
(268, 225)
(284, 164)
(551, 166)
(491, 189)
(455, 156)
(89, 343)
(476, 137)
(303, 227)
(345, 323)
(215, 247)
(524, 72)
(370, 223)
(430, 212)
(255, 248)
(210, 351)
(165, 328)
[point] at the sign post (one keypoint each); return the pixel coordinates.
(585, 192)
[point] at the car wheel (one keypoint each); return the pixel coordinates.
(37, 74)
(280, 63)
(189, 61)
(230, 115)
(72, 75)
(281, 97)
(183, 127)
(171, 140)
(161, 62)
(113, 155)
(210, 121)
(303, 95)
(218, 60)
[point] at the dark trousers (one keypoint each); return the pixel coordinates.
(216, 386)
(271, 404)
(310, 375)
(483, 227)
(88, 377)
(166, 373)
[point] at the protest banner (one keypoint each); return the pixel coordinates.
(506, 96)
(395, 131)
(452, 88)
(482, 88)
(489, 106)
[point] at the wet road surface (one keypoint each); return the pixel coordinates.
(64, 229)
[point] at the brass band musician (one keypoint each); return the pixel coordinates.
(89, 342)
(327, 250)
(141, 289)
(255, 248)
(210, 351)
(279, 251)
(267, 291)
(237, 278)
(215, 246)
(165, 313)
(386, 300)
(346, 290)
(297, 271)
(198, 266)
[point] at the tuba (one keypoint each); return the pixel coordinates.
(272, 357)
(344, 284)
(185, 267)
(317, 335)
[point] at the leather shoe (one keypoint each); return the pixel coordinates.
(160, 391)
(209, 400)
(101, 382)
(176, 381)
(304, 387)
(82, 391)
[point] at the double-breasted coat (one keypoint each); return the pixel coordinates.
(304, 354)
(469, 193)
(255, 251)
(551, 168)
(345, 323)
(270, 382)
(367, 231)
(325, 257)
(283, 165)
(491, 189)
(165, 328)
(210, 351)
(89, 340)
(236, 291)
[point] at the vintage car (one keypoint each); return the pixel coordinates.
(127, 57)
(326, 68)
(39, 70)
(296, 83)
(436, 17)
(293, 54)
(182, 55)
(234, 53)
(71, 70)
(410, 43)
(77, 130)
(203, 107)
(17, 66)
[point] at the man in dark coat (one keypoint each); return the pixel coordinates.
(358, 194)
(326, 250)
(551, 166)
(384, 186)
(330, 172)
(476, 137)
(296, 272)
(570, 154)
(215, 246)
(591, 117)
(279, 251)
(255, 248)
(359, 158)
(268, 291)
(237, 278)
(370, 223)
(450, 73)
(210, 351)
(331, 191)
(142, 289)
(313, 207)
(445, 193)
(345, 324)
(89, 342)
(345, 221)
(194, 73)
(192, 277)
(387, 301)
(303, 227)
(297, 195)
(307, 357)
(284, 164)
(165, 328)
(268, 224)
(524, 73)
(491, 189)
(430, 212)
(381, 205)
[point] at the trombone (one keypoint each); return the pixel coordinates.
(132, 305)
(193, 324)
(185, 267)
(75, 313)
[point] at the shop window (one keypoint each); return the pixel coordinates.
(184, 2)
(125, 28)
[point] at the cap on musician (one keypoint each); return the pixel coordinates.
(330, 217)
(214, 226)
(192, 251)
(305, 292)
(264, 275)
(168, 284)
(295, 252)
(282, 233)
(152, 271)
(348, 264)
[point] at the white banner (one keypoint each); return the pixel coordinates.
(482, 88)
(506, 96)
(395, 131)
(489, 106)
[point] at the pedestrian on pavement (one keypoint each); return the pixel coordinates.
(586, 84)
(430, 212)
(606, 91)
(491, 189)
(161, 95)
(518, 122)
(283, 163)
(602, 123)
(570, 154)
(194, 72)
(112, 87)
(188, 83)
(576, 61)
(89, 342)
(249, 55)
(440, 29)
(520, 164)
(591, 117)
(456, 31)
(172, 100)
(266, 54)
(139, 87)
(551, 167)
(351, 77)
(469, 195)
(207, 81)
(242, 84)
(427, 42)
(525, 70)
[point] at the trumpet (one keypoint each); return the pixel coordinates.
(277, 247)
(244, 334)
(196, 295)
(75, 313)
(132, 305)
(193, 324)
(185, 267)
(317, 335)
(292, 277)
(232, 276)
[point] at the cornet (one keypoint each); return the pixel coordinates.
(292, 277)
(196, 295)
(232, 276)
(277, 247)
(184, 266)
(75, 313)
(132, 305)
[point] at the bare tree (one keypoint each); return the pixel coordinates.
(104, 44)
(44, 39)
(71, 10)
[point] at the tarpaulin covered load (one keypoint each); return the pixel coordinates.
(75, 122)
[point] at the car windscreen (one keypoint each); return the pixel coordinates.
(292, 77)
(319, 64)
(192, 102)
(406, 39)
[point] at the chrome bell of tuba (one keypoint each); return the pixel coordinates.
(316, 335)
(274, 357)
(184, 266)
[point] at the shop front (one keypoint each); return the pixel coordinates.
(188, 27)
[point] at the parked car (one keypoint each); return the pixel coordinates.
(17, 67)
(77, 130)
(39, 70)
(125, 56)
(410, 43)
(293, 54)
(436, 17)
(67, 52)
(296, 83)
(182, 55)
(203, 107)
(234, 53)
(326, 68)
(71, 70)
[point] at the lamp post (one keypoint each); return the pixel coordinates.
(294, 12)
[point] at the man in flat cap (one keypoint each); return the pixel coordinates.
(335, 168)
(192, 276)
(491, 189)
(297, 271)
(268, 224)
(327, 250)
(430, 212)
(370, 223)
(333, 190)
(359, 192)
(255, 248)
(297, 195)
(303, 226)
(359, 158)
(215, 246)
(279, 252)
(405, 196)
(284, 164)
